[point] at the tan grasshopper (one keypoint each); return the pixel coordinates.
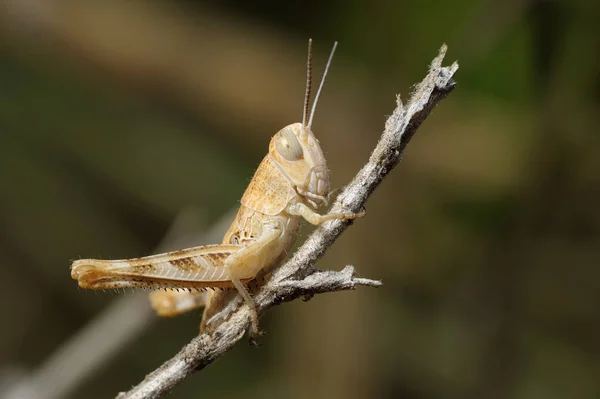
(291, 183)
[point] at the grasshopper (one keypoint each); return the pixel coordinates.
(290, 184)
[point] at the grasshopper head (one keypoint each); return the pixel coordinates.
(298, 154)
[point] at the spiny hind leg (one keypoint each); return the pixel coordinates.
(247, 262)
(219, 306)
(222, 303)
(254, 331)
(172, 303)
(312, 217)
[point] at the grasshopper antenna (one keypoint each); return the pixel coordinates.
(314, 106)
(308, 83)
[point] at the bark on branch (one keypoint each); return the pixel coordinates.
(298, 277)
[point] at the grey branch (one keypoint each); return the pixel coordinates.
(298, 277)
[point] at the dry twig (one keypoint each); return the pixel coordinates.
(298, 277)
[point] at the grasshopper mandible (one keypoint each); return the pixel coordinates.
(290, 184)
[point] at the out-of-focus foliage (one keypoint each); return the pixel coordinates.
(115, 116)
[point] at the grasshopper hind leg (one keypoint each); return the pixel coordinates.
(248, 262)
(219, 308)
(173, 303)
(223, 303)
(254, 331)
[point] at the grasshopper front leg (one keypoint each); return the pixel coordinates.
(312, 217)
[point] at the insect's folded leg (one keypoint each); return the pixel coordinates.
(220, 305)
(248, 261)
(312, 217)
(173, 303)
(189, 269)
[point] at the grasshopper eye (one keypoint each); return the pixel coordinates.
(288, 146)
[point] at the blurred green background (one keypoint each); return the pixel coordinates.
(119, 118)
